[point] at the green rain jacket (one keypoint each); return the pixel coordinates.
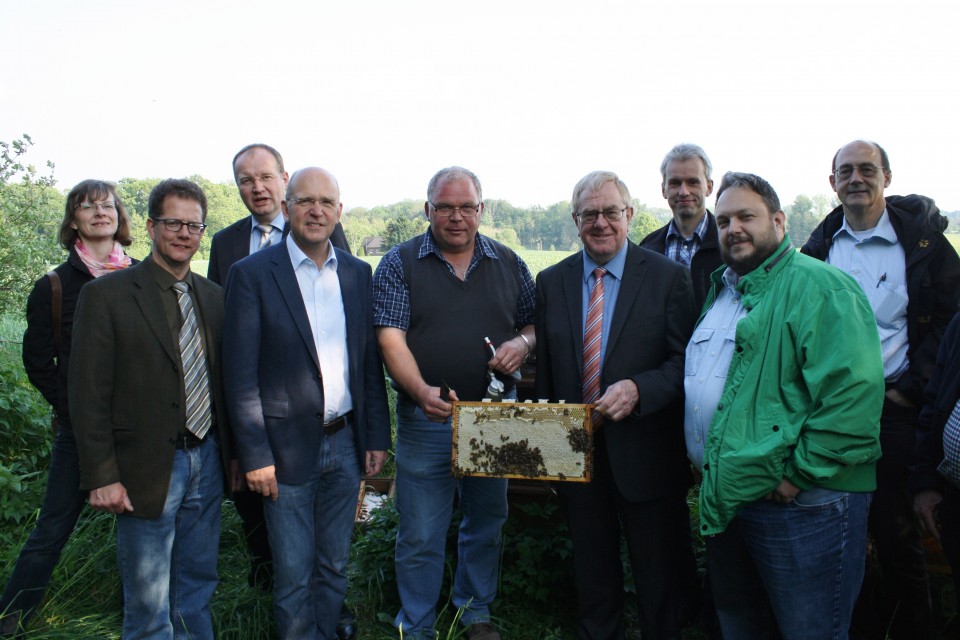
(804, 391)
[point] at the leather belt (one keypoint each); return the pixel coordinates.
(187, 441)
(335, 425)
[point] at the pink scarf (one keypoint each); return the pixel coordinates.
(116, 261)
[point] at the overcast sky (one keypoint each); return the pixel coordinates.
(529, 95)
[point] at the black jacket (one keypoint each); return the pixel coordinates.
(705, 261)
(933, 279)
(940, 397)
(46, 371)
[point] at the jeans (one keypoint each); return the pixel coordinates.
(310, 526)
(425, 490)
(796, 566)
(168, 564)
(62, 504)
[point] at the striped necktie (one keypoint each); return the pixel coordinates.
(592, 340)
(192, 359)
(265, 241)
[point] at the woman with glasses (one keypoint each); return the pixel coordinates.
(94, 231)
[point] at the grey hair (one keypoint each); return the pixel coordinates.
(686, 151)
(593, 181)
(453, 173)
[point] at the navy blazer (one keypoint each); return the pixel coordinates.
(272, 376)
(651, 325)
(232, 244)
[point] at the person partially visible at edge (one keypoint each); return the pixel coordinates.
(307, 399)
(153, 436)
(690, 238)
(629, 311)
(935, 469)
(436, 297)
(895, 249)
(783, 388)
(94, 231)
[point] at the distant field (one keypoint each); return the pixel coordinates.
(954, 239)
(536, 260)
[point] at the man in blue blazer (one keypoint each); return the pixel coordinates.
(306, 387)
(261, 180)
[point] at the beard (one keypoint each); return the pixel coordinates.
(744, 262)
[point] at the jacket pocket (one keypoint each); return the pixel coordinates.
(274, 408)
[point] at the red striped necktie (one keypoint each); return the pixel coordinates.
(592, 340)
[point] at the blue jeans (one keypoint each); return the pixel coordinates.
(62, 504)
(310, 526)
(425, 489)
(796, 566)
(168, 564)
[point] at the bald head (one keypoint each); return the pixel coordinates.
(312, 206)
(309, 174)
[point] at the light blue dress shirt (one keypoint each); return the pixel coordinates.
(875, 259)
(320, 289)
(707, 361)
(611, 289)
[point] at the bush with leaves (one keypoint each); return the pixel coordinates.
(30, 213)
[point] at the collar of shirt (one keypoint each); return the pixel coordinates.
(614, 267)
(699, 232)
(481, 248)
(730, 279)
(278, 223)
(297, 256)
(164, 279)
(883, 231)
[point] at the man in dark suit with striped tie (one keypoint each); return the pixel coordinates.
(612, 325)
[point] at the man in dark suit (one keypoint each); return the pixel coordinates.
(612, 325)
(691, 237)
(151, 425)
(305, 385)
(260, 177)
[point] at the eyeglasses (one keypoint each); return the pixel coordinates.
(106, 205)
(446, 210)
(194, 228)
(326, 205)
(591, 217)
(867, 170)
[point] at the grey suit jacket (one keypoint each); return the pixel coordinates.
(126, 384)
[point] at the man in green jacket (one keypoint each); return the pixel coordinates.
(784, 387)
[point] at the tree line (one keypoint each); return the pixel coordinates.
(31, 208)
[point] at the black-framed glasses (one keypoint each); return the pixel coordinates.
(610, 215)
(326, 205)
(106, 205)
(867, 170)
(170, 224)
(447, 210)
